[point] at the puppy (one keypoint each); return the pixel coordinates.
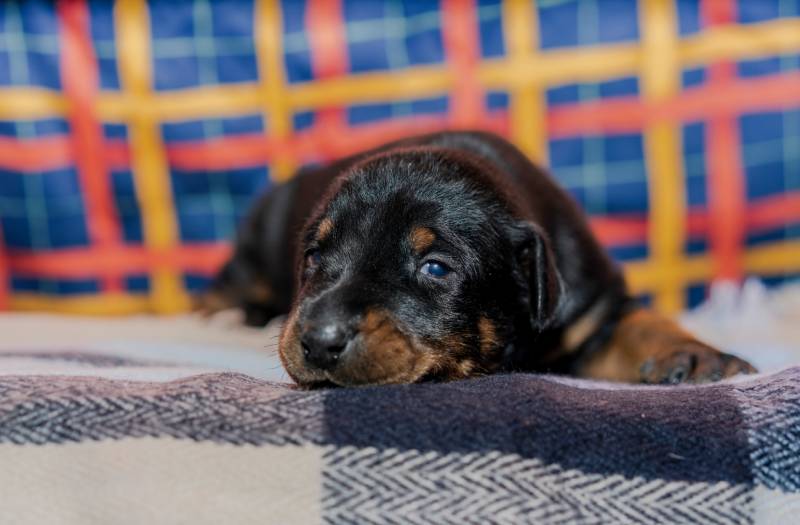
(443, 257)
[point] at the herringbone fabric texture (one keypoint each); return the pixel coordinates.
(371, 486)
(134, 134)
(502, 449)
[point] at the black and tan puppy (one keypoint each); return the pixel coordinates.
(443, 257)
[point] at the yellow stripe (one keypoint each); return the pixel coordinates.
(246, 99)
(30, 103)
(527, 110)
(194, 103)
(269, 49)
(372, 87)
(547, 67)
(551, 67)
(147, 151)
(561, 67)
(106, 304)
(774, 259)
(734, 42)
(660, 81)
(116, 106)
(647, 276)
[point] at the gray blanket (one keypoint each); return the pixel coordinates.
(96, 446)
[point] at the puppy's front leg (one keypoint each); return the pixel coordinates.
(648, 348)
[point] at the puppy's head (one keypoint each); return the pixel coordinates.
(415, 266)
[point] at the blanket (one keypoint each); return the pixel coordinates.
(92, 438)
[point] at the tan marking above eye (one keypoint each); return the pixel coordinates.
(324, 228)
(421, 238)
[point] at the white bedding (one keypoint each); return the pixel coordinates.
(762, 326)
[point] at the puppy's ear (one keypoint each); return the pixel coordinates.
(537, 272)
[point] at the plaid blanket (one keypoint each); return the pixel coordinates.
(134, 133)
(87, 438)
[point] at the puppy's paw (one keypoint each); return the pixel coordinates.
(692, 362)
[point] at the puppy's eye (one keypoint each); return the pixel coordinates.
(312, 258)
(435, 269)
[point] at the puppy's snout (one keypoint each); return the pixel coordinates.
(324, 343)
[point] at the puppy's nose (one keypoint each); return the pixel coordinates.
(323, 344)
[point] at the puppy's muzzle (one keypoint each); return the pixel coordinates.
(344, 337)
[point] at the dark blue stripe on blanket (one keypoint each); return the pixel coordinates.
(684, 433)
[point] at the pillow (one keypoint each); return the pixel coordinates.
(134, 136)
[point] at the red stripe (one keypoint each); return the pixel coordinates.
(607, 116)
(619, 231)
(80, 81)
(117, 155)
(630, 114)
(251, 150)
(34, 155)
(727, 200)
(620, 115)
(696, 223)
(461, 40)
(717, 12)
(233, 152)
(205, 258)
(223, 153)
(364, 137)
(773, 212)
(115, 263)
(329, 58)
(327, 40)
(726, 192)
(623, 115)
(762, 215)
(313, 144)
(56, 152)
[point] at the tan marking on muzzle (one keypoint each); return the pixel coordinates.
(488, 334)
(387, 355)
(324, 229)
(421, 238)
